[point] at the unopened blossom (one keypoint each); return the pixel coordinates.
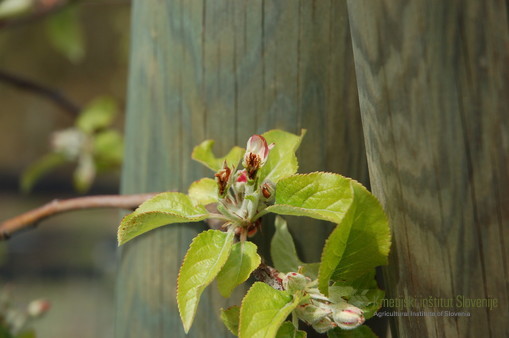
(69, 142)
(323, 325)
(313, 312)
(294, 282)
(256, 154)
(348, 316)
(38, 307)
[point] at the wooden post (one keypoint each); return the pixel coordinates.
(433, 79)
(226, 70)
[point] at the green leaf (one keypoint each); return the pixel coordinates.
(288, 330)
(263, 311)
(310, 270)
(362, 331)
(26, 334)
(363, 293)
(319, 195)
(282, 249)
(66, 34)
(203, 261)
(203, 191)
(282, 160)
(4, 332)
(108, 147)
(40, 168)
(242, 261)
(203, 153)
(99, 114)
(333, 250)
(230, 318)
(360, 242)
(162, 209)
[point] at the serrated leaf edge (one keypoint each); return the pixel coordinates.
(204, 284)
(133, 219)
(294, 302)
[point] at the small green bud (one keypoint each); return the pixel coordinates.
(294, 282)
(324, 325)
(347, 316)
(312, 313)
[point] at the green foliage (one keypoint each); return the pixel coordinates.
(360, 242)
(282, 249)
(203, 153)
(26, 334)
(282, 160)
(99, 114)
(40, 168)
(242, 261)
(338, 291)
(162, 209)
(362, 292)
(288, 330)
(319, 195)
(108, 148)
(369, 238)
(91, 144)
(263, 311)
(230, 318)
(203, 191)
(66, 34)
(206, 256)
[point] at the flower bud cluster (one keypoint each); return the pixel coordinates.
(241, 196)
(317, 310)
(15, 321)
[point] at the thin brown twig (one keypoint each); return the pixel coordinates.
(37, 88)
(32, 217)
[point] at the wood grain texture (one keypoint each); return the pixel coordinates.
(226, 70)
(433, 79)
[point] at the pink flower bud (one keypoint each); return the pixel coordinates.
(256, 154)
(242, 176)
(38, 307)
(348, 316)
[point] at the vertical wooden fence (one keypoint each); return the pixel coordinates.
(433, 80)
(433, 84)
(226, 70)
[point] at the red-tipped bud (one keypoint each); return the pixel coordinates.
(294, 282)
(38, 307)
(348, 317)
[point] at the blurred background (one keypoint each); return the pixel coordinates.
(78, 49)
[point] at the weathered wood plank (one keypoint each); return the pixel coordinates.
(226, 70)
(433, 84)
